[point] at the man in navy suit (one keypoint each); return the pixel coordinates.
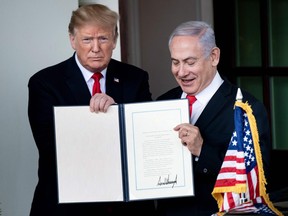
(194, 57)
(93, 35)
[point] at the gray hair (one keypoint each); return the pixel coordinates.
(197, 28)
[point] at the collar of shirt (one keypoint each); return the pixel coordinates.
(87, 76)
(204, 96)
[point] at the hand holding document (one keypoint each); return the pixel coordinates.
(129, 153)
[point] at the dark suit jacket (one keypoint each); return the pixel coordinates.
(64, 85)
(216, 125)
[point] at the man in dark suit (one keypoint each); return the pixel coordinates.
(195, 57)
(93, 35)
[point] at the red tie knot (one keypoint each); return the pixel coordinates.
(97, 76)
(191, 99)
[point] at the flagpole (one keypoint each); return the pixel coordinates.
(239, 98)
(239, 95)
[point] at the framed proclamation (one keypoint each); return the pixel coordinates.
(129, 153)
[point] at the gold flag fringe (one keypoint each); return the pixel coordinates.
(255, 136)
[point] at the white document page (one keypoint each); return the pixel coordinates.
(88, 155)
(158, 164)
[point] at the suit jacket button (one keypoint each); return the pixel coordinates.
(205, 170)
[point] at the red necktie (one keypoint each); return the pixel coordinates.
(191, 99)
(96, 87)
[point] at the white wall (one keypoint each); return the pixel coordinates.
(34, 34)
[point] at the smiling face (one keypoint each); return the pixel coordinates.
(94, 46)
(191, 68)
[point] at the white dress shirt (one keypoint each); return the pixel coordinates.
(203, 97)
(90, 81)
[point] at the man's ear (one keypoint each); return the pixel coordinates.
(72, 40)
(215, 56)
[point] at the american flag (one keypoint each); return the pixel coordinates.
(240, 184)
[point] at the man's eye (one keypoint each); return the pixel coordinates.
(175, 62)
(86, 40)
(191, 63)
(103, 39)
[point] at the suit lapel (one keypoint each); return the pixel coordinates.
(76, 83)
(215, 105)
